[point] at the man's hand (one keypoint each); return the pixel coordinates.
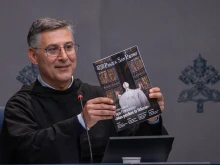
(156, 93)
(101, 108)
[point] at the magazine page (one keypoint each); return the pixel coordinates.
(123, 78)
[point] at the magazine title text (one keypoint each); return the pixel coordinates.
(119, 60)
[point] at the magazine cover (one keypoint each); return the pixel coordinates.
(123, 78)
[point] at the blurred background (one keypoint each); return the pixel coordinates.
(170, 35)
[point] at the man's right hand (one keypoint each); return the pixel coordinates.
(100, 108)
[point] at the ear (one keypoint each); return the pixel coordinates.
(32, 56)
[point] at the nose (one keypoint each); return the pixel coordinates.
(63, 55)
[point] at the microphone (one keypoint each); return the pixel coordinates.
(80, 97)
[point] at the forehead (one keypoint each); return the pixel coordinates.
(57, 36)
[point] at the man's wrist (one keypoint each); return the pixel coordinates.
(154, 120)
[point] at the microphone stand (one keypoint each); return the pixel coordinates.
(87, 132)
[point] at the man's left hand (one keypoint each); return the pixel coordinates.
(156, 93)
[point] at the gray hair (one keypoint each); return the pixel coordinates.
(45, 24)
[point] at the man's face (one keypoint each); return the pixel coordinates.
(56, 70)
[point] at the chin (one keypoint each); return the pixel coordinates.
(64, 78)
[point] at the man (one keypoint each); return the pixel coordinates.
(44, 122)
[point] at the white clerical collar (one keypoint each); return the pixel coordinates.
(47, 85)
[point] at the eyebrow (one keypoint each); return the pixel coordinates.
(69, 42)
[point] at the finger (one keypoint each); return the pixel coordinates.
(153, 119)
(158, 96)
(161, 103)
(154, 89)
(102, 113)
(97, 118)
(99, 100)
(100, 107)
(162, 108)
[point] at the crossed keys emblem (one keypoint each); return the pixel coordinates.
(200, 76)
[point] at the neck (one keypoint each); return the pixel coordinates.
(55, 85)
(62, 86)
(127, 89)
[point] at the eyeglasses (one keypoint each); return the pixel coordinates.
(54, 50)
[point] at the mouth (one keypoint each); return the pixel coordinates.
(65, 67)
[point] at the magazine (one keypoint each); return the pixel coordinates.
(123, 78)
